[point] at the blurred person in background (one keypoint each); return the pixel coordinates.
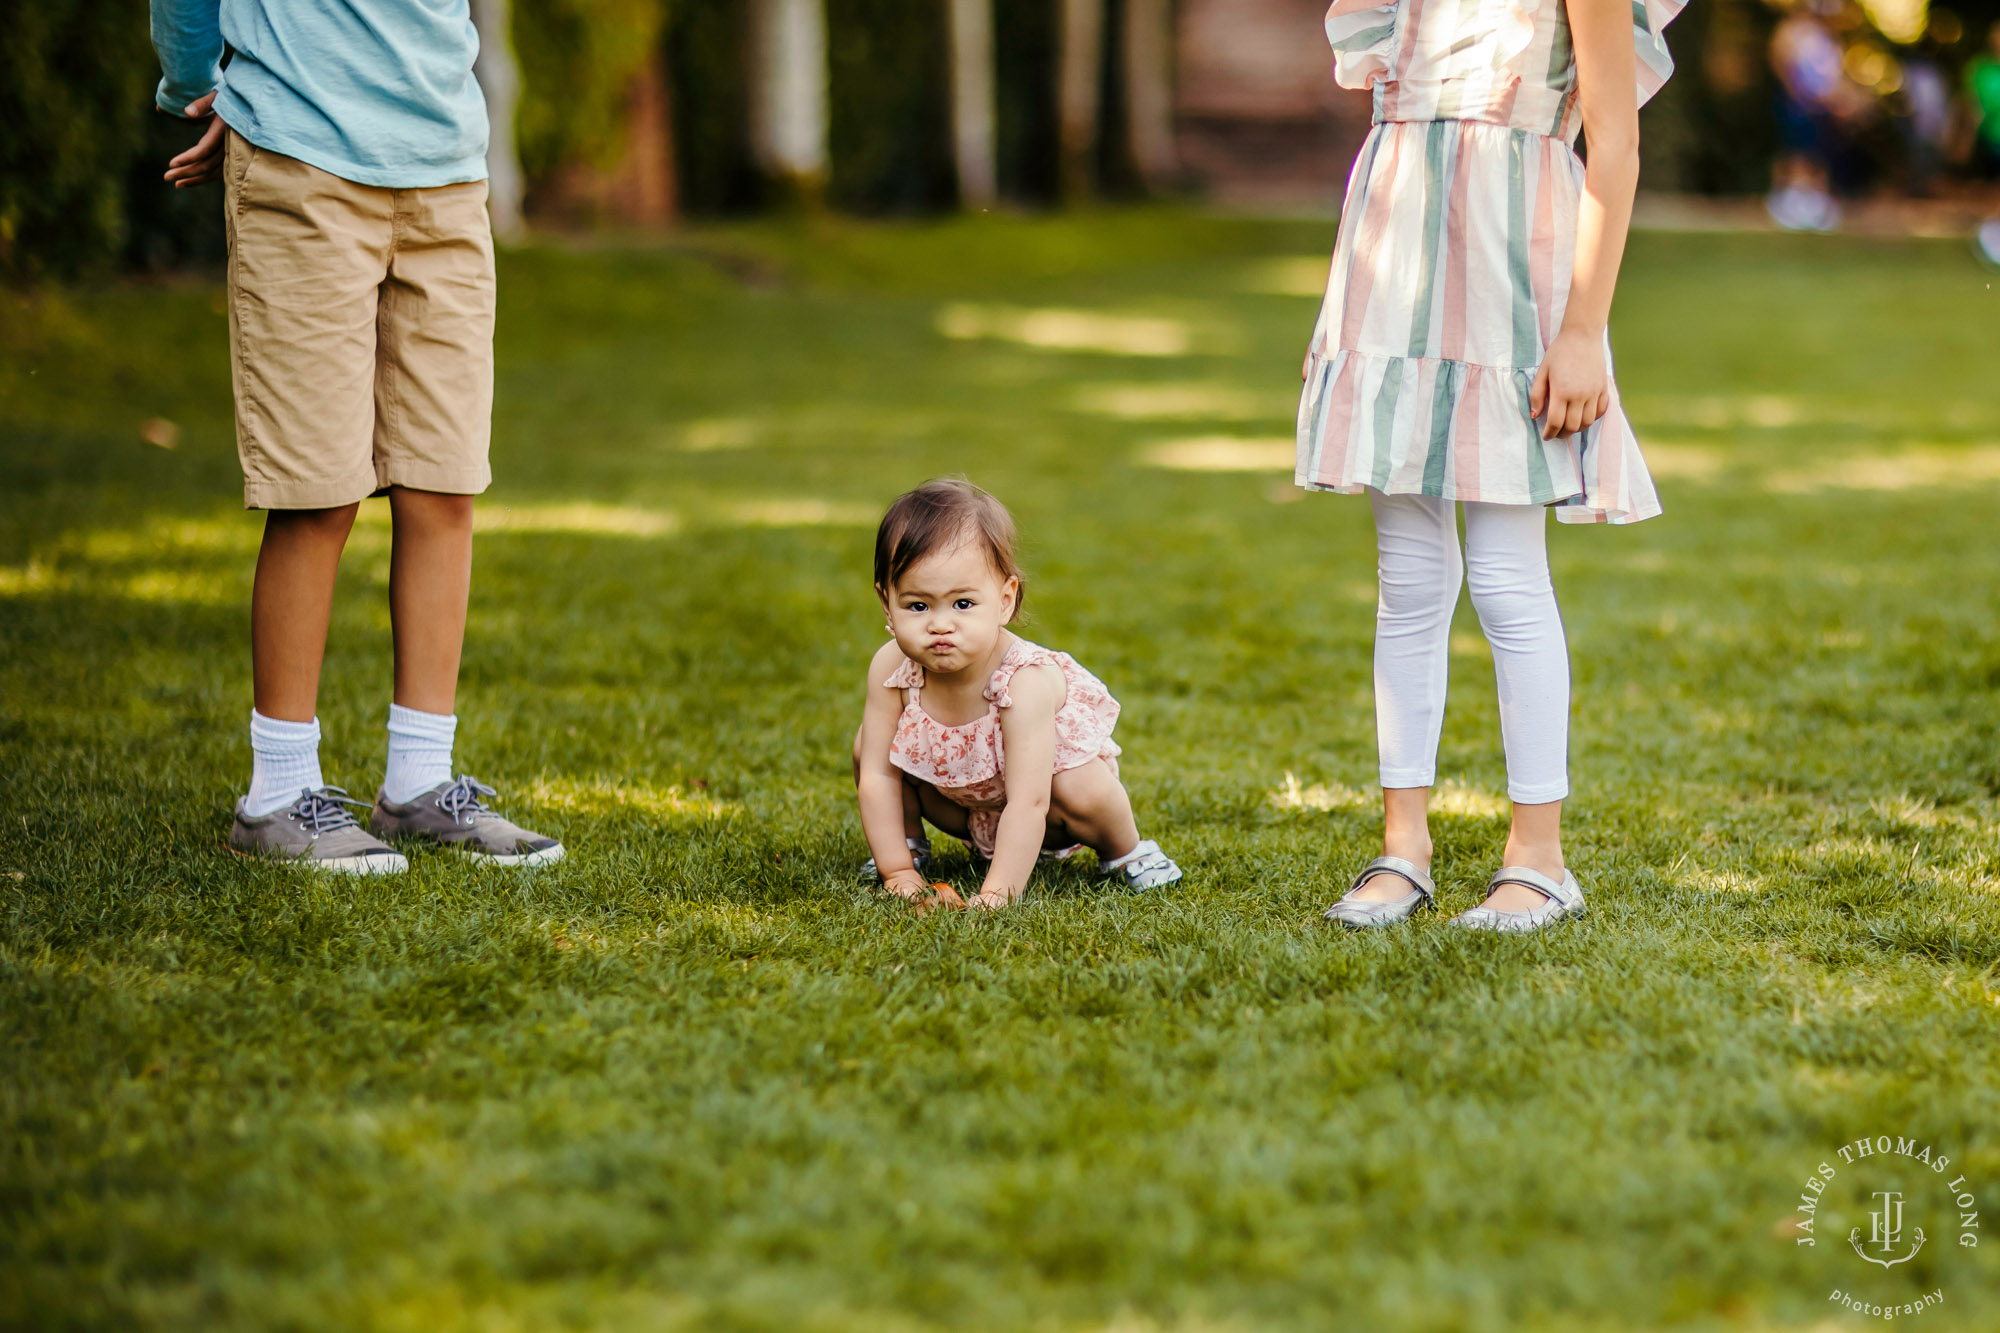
(1982, 86)
(1817, 104)
(1925, 118)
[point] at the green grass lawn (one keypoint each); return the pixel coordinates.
(697, 1077)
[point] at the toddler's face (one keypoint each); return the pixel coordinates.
(949, 608)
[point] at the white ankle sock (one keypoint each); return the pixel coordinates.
(1145, 845)
(419, 752)
(284, 761)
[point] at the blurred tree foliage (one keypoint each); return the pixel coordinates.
(578, 59)
(708, 62)
(76, 90)
(1711, 129)
(82, 153)
(1024, 54)
(888, 81)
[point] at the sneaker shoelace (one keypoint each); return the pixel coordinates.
(325, 810)
(464, 799)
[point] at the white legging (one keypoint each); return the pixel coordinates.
(1507, 564)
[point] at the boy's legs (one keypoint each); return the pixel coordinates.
(290, 606)
(433, 421)
(306, 254)
(430, 582)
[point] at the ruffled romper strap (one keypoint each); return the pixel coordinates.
(906, 677)
(1021, 654)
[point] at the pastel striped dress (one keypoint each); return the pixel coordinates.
(1453, 264)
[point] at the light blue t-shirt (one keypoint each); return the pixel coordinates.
(379, 92)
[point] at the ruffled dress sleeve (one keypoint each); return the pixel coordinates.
(1363, 36)
(1649, 39)
(908, 676)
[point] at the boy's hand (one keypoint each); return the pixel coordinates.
(203, 162)
(1572, 386)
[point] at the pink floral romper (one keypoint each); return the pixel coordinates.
(967, 764)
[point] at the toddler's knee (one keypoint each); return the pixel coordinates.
(1074, 790)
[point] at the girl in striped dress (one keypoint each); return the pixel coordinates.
(1460, 357)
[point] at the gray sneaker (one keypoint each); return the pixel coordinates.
(315, 831)
(454, 814)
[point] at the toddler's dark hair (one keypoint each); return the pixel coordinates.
(939, 515)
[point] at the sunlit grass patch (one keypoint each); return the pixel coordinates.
(1322, 796)
(231, 534)
(1670, 460)
(1061, 330)
(186, 586)
(1181, 401)
(601, 796)
(1778, 412)
(1912, 467)
(1222, 453)
(580, 517)
(796, 512)
(1301, 275)
(713, 433)
(34, 579)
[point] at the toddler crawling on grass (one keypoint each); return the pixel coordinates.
(974, 730)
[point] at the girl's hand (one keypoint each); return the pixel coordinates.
(907, 884)
(1572, 386)
(989, 900)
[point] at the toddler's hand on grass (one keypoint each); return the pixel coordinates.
(1572, 387)
(906, 884)
(936, 895)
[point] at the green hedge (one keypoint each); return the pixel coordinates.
(76, 91)
(1712, 129)
(82, 152)
(707, 68)
(889, 83)
(577, 60)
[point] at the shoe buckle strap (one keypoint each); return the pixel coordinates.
(1408, 871)
(1556, 891)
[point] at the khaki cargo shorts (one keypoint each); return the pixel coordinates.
(360, 333)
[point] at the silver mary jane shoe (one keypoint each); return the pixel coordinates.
(1362, 914)
(1559, 900)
